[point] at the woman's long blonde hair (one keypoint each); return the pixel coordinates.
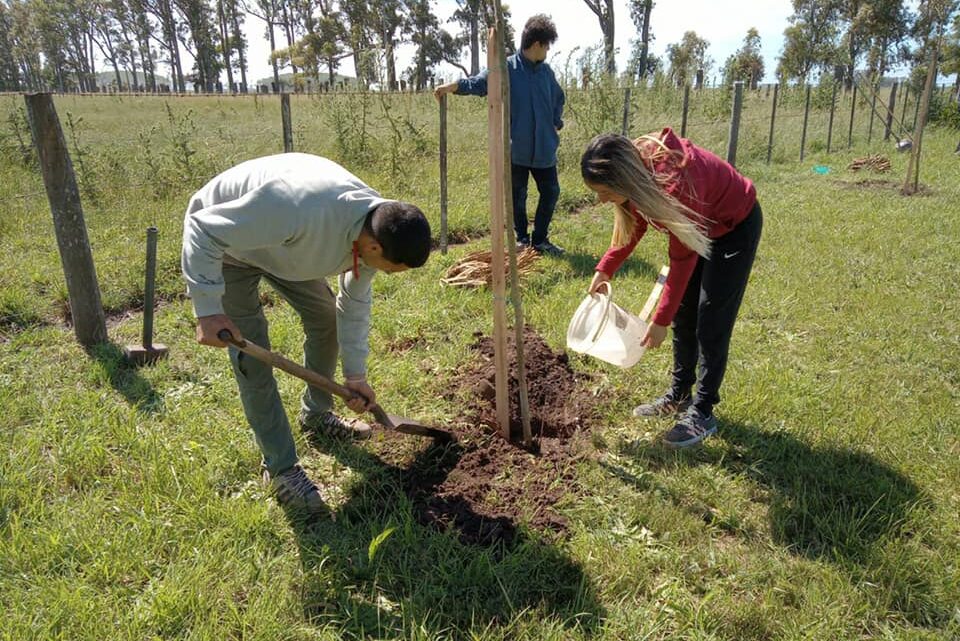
(614, 161)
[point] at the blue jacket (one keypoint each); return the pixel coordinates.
(536, 110)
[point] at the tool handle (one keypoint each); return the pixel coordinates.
(280, 362)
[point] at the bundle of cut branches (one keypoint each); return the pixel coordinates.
(876, 162)
(474, 270)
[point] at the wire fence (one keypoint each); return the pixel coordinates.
(138, 158)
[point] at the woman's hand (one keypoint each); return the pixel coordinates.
(654, 335)
(599, 281)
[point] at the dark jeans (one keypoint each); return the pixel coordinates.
(704, 322)
(549, 187)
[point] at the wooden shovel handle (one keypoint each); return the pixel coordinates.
(280, 362)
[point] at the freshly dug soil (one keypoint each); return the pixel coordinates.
(483, 486)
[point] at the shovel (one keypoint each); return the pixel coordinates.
(391, 422)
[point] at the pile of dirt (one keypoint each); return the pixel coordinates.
(483, 486)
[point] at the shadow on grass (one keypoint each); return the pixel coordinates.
(126, 379)
(829, 504)
(585, 265)
(420, 576)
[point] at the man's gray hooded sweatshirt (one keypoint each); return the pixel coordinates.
(295, 216)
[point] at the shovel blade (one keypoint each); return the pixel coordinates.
(406, 425)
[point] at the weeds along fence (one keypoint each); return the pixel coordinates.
(137, 160)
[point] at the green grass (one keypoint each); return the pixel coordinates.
(825, 509)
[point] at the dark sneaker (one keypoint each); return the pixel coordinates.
(546, 247)
(294, 489)
(329, 424)
(691, 429)
(523, 243)
(663, 406)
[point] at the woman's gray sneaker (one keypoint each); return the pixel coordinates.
(329, 424)
(691, 429)
(294, 489)
(663, 406)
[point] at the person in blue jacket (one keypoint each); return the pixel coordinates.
(536, 118)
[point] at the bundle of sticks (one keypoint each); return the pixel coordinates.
(876, 162)
(474, 270)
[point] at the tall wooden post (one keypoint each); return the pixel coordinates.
(626, 111)
(806, 119)
(287, 126)
(912, 182)
(495, 135)
(833, 109)
(890, 107)
(686, 109)
(853, 111)
(89, 321)
(443, 174)
(735, 123)
(773, 119)
(518, 322)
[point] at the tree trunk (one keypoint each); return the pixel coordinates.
(645, 40)
(391, 65)
(238, 37)
(475, 45)
(288, 32)
(225, 45)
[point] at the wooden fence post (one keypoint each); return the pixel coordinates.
(287, 128)
(443, 174)
(773, 119)
(626, 111)
(890, 107)
(833, 108)
(873, 113)
(735, 123)
(853, 109)
(903, 109)
(89, 321)
(686, 108)
(495, 135)
(806, 118)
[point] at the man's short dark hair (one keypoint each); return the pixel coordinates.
(539, 28)
(402, 231)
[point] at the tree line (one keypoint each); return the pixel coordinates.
(56, 44)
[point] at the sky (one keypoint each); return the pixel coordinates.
(723, 23)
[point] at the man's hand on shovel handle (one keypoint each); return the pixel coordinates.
(209, 326)
(365, 396)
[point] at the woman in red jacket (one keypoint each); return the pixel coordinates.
(711, 214)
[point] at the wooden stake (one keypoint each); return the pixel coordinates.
(497, 200)
(913, 166)
(507, 179)
(443, 174)
(647, 310)
(83, 290)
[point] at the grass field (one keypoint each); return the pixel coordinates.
(826, 508)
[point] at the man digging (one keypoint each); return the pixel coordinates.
(293, 220)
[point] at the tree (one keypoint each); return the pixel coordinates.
(687, 59)
(469, 15)
(640, 11)
(424, 33)
(9, 72)
(747, 63)
(169, 27)
(950, 56)
(809, 41)
(604, 12)
(198, 16)
(388, 18)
